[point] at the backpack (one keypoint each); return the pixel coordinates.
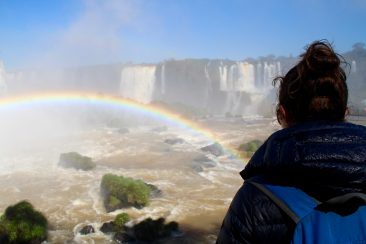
(339, 220)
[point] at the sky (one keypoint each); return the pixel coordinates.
(66, 33)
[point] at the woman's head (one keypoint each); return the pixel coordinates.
(314, 89)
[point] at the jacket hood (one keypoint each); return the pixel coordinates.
(324, 159)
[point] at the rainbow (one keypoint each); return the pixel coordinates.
(77, 97)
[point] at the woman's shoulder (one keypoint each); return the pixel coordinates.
(319, 127)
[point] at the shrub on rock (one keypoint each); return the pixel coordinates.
(117, 225)
(120, 192)
(76, 160)
(249, 148)
(22, 224)
(120, 220)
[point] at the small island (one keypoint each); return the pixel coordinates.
(121, 192)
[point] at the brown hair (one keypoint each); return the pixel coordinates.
(315, 88)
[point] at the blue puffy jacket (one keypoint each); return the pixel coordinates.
(323, 159)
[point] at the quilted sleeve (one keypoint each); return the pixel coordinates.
(237, 224)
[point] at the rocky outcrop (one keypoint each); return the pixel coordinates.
(123, 130)
(173, 141)
(76, 161)
(215, 149)
(202, 162)
(148, 230)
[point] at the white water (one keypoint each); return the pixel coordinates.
(70, 199)
(245, 77)
(138, 82)
(162, 89)
(353, 66)
(3, 85)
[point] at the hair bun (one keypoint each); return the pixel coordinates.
(320, 57)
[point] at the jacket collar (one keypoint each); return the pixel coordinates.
(313, 155)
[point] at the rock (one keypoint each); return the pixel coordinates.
(88, 229)
(197, 168)
(120, 192)
(215, 149)
(160, 129)
(150, 230)
(123, 237)
(22, 224)
(202, 162)
(205, 161)
(154, 191)
(174, 141)
(108, 227)
(123, 130)
(76, 160)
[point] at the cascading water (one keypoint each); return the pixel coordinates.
(138, 82)
(162, 88)
(209, 86)
(3, 86)
(353, 66)
(243, 78)
(246, 78)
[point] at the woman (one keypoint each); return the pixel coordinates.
(316, 151)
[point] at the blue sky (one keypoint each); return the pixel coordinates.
(54, 33)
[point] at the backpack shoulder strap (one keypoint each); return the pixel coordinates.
(293, 201)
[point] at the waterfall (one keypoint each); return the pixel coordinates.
(209, 87)
(255, 101)
(223, 77)
(268, 74)
(353, 66)
(212, 86)
(243, 80)
(259, 75)
(237, 77)
(137, 82)
(162, 88)
(3, 86)
(246, 78)
(232, 103)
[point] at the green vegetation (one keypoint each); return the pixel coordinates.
(249, 148)
(22, 224)
(122, 192)
(120, 221)
(77, 161)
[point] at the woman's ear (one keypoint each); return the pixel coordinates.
(282, 116)
(346, 113)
